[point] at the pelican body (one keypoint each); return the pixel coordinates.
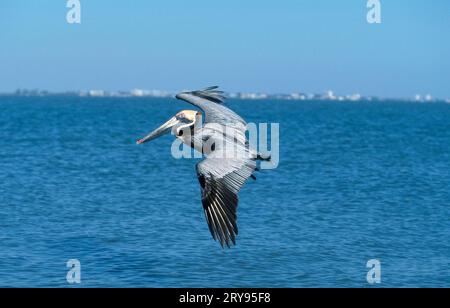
(218, 133)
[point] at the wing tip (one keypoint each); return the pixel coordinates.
(222, 233)
(209, 93)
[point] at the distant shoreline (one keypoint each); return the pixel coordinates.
(273, 98)
(327, 97)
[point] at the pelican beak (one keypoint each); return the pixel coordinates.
(162, 130)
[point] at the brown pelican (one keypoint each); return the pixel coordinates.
(221, 176)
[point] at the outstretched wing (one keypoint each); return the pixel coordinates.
(220, 180)
(210, 100)
(221, 176)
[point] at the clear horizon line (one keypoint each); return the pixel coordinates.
(138, 92)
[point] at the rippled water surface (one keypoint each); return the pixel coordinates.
(356, 181)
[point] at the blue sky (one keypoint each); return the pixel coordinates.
(251, 45)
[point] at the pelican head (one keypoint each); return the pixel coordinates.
(183, 119)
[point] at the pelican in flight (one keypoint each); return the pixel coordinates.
(221, 176)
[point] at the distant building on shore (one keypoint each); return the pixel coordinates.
(96, 93)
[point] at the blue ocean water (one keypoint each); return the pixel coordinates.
(356, 181)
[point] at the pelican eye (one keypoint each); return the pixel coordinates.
(180, 132)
